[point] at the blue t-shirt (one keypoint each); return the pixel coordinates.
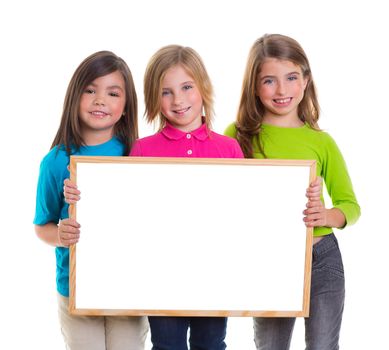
(50, 203)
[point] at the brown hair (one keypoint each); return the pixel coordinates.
(251, 110)
(94, 66)
(165, 58)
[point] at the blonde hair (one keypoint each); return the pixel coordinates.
(251, 110)
(168, 57)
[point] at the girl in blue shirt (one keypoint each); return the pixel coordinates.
(99, 118)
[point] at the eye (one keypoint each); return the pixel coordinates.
(187, 87)
(268, 81)
(89, 91)
(165, 92)
(293, 77)
(114, 94)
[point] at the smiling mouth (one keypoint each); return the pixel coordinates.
(283, 101)
(181, 111)
(99, 114)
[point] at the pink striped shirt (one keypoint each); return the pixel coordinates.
(200, 143)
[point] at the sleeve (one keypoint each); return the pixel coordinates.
(338, 183)
(230, 131)
(136, 150)
(237, 150)
(49, 196)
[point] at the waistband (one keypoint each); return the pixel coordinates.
(324, 245)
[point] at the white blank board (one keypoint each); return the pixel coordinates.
(172, 236)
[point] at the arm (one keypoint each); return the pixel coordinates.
(345, 209)
(316, 214)
(50, 205)
(66, 233)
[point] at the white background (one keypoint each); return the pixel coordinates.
(42, 42)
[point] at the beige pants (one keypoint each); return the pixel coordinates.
(101, 332)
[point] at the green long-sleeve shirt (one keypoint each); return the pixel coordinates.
(306, 143)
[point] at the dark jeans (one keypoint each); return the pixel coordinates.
(170, 333)
(322, 327)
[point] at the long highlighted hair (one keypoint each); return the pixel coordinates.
(251, 110)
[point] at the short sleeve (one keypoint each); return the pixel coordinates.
(237, 150)
(49, 197)
(136, 150)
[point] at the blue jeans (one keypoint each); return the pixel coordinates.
(322, 327)
(170, 333)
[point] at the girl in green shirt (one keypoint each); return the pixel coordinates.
(278, 118)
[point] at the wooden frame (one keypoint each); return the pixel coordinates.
(194, 237)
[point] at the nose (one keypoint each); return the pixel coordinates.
(281, 88)
(99, 101)
(177, 99)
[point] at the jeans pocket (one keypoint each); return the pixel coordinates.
(329, 262)
(336, 270)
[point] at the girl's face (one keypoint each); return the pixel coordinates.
(101, 106)
(181, 101)
(280, 87)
